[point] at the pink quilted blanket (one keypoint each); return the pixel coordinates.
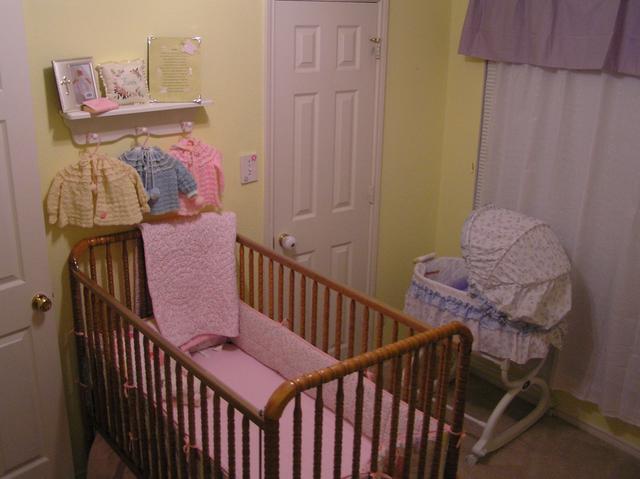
(191, 273)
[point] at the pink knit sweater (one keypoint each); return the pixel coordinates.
(204, 163)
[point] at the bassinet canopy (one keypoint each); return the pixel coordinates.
(517, 264)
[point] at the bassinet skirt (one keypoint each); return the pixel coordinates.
(432, 299)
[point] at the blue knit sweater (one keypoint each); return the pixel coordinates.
(163, 177)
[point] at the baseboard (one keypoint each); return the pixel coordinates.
(605, 436)
(491, 373)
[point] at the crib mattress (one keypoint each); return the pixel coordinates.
(255, 382)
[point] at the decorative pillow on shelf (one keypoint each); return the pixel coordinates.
(125, 82)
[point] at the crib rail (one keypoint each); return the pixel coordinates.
(140, 391)
(429, 356)
(130, 375)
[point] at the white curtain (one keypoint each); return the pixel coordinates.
(564, 146)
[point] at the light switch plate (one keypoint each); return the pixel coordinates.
(248, 168)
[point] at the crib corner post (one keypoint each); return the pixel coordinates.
(84, 379)
(272, 449)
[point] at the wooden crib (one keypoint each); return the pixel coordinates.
(371, 341)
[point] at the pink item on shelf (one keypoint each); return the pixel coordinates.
(99, 105)
(204, 162)
(191, 273)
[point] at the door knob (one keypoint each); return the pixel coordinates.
(287, 241)
(41, 302)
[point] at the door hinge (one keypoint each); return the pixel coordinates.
(377, 46)
(372, 195)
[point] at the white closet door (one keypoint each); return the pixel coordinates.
(34, 439)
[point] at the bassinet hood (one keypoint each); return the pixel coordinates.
(517, 264)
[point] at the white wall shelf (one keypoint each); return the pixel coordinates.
(158, 118)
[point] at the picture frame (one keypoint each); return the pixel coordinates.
(174, 68)
(75, 81)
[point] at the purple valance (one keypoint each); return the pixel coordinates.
(571, 34)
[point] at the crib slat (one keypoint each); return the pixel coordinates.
(161, 440)
(377, 416)
(429, 359)
(191, 404)
(109, 262)
(297, 438)
(357, 426)
(115, 378)
(405, 377)
(143, 430)
(364, 347)
(338, 331)
(291, 311)
(101, 346)
(217, 462)
(132, 429)
(241, 272)
(92, 263)
(352, 328)
(261, 283)
(441, 404)
(125, 274)
(246, 449)
(303, 306)
(317, 434)
(92, 355)
(106, 364)
(153, 443)
(337, 442)
(280, 292)
(171, 436)
(314, 313)
(182, 459)
(326, 309)
(379, 330)
(408, 441)
(271, 288)
(395, 413)
(462, 371)
(251, 279)
(123, 383)
(231, 440)
(204, 431)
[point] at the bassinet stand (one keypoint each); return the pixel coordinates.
(490, 440)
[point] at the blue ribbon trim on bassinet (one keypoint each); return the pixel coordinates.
(486, 314)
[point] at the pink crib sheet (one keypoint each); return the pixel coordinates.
(256, 382)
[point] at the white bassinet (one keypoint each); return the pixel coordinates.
(512, 290)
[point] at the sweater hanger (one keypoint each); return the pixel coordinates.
(93, 138)
(187, 128)
(142, 130)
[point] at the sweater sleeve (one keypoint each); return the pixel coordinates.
(186, 183)
(143, 199)
(53, 199)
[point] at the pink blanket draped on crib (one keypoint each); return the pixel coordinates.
(191, 274)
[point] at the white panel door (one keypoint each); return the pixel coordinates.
(324, 82)
(34, 439)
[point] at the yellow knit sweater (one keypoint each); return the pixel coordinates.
(118, 197)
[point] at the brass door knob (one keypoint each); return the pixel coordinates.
(41, 302)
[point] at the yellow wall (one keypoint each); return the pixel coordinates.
(465, 77)
(117, 30)
(416, 81)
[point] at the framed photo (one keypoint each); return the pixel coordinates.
(174, 68)
(76, 82)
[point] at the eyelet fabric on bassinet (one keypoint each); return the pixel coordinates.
(518, 265)
(431, 300)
